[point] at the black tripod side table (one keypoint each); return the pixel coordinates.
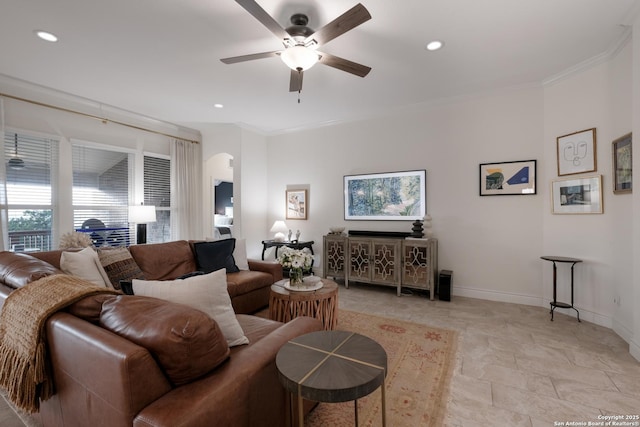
(555, 303)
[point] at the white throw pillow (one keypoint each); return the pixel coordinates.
(206, 292)
(240, 254)
(84, 264)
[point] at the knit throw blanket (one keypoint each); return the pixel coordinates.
(24, 367)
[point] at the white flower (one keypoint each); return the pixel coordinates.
(295, 258)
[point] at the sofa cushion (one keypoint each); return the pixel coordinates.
(207, 292)
(164, 261)
(16, 269)
(245, 281)
(86, 265)
(215, 255)
(186, 342)
(119, 265)
(240, 254)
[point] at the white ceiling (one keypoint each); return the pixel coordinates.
(160, 58)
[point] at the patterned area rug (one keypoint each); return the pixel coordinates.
(420, 364)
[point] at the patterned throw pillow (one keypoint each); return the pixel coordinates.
(119, 265)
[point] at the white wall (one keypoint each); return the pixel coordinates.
(479, 237)
(248, 150)
(492, 244)
(634, 345)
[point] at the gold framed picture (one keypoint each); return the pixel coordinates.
(297, 204)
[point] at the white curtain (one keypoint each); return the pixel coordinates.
(4, 215)
(186, 192)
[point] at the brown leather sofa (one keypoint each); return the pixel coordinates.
(112, 369)
(248, 289)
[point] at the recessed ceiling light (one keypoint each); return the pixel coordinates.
(218, 105)
(45, 35)
(434, 45)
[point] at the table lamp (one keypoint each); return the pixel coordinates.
(279, 227)
(141, 215)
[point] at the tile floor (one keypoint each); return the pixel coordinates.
(514, 366)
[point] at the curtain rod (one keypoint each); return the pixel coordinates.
(91, 116)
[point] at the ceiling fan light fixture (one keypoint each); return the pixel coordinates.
(299, 57)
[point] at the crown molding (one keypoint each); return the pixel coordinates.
(38, 94)
(614, 49)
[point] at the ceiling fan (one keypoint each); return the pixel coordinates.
(300, 42)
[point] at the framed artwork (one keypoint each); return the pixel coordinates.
(399, 196)
(622, 177)
(508, 178)
(577, 152)
(297, 204)
(577, 195)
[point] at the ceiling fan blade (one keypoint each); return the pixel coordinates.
(251, 57)
(345, 22)
(265, 19)
(295, 84)
(344, 64)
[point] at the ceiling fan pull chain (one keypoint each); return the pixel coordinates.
(299, 87)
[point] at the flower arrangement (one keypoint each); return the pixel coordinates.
(295, 260)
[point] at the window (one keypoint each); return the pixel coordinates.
(101, 192)
(31, 163)
(157, 192)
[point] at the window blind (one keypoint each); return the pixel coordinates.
(157, 192)
(31, 163)
(101, 192)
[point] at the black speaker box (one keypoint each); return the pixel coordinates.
(444, 285)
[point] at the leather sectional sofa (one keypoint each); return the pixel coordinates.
(114, 357)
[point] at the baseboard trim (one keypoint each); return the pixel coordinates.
(589, 316)
(634, 349)
(496, 296)
(624, 332)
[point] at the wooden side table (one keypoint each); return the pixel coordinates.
(332, 366)
(285, 305)
(555, 303)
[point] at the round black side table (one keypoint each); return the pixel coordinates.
(332, 366)
(555, 303)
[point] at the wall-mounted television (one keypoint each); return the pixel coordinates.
(390, 196)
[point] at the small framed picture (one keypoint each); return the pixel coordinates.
(577, 195)
(622, 177)
(297, 204)
(577, 152)
(508, 178)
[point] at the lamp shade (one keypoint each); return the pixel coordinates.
(299, 57)
(142, 214)
(279, 227)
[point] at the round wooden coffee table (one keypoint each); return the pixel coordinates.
(332, 366)
(285, 305)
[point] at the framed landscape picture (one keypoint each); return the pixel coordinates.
(297, 204)
(622, 176)
(577, 152)
(577, 195)
(386, 196)
(508, 178)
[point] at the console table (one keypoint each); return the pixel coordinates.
(266, 244)
(555, 303)
(391, 261)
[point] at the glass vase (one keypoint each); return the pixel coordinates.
(295, 276)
